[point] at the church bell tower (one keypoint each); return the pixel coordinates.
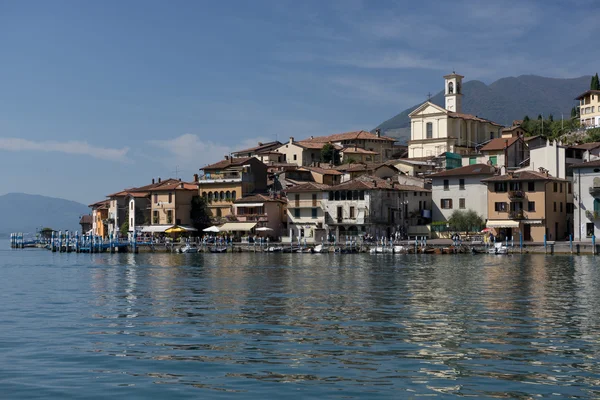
(453, 92)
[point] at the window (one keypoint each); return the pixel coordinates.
(561, 207)
(472, 160)
(554, 206)
(491, 137)
(314, 213)
(446, 185)
(555, 189)
(155, 217)
(446, 204)
(561, 187)
(297, 200)
(296, 213)
(461, 203)
(228, 195)
(351, 212)
(570, 208)
(461, 184)
(589, 229)
(515, 185)
(170, 198)
(569, 188)
(131, 206)
(314, 199)
(531, 206)
(500, 206)
(516, 206)
(295, 157)
(169, 216)
(155, 198)
(362, 195)
(330, 196)
(531, 186)
(429, 130)
(500, 187)
(233, 195)
(222, 195)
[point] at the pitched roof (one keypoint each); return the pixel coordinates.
(354, 135)
(366, 182)
(322, 171)
(474, 169)
(523, 176)
(178, 185)
(308, 144)
(512, 128)
(499, 144)
(582, 95)
(258, 198)
(231, 162)
(589, 164)
(86, 219)
(471, 117)
(308, 187)
(528, 138)
(260, 148)
(364, 166)
(586, 146)
(100, 205)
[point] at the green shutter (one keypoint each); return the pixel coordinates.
(494, 160)
(472, 160)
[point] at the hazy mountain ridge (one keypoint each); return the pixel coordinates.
(504, 100)
(20, 212)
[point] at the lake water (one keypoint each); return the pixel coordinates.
(298, 326)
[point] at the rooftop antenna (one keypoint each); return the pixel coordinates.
(177, 171)
(429, 96)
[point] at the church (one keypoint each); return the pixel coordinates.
(435, 130)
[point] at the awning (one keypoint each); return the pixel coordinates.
(533, 221)
(156, 228)
(249, 204)
(502, 223)
(237, 227)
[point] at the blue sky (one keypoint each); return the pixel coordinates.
(99, 96)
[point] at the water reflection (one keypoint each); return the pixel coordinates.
(517, 326)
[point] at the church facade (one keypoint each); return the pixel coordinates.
(435, 130)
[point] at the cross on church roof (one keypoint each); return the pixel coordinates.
(429, 96)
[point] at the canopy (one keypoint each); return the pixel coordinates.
(213, 228)
(533, 221)
(237, 226)
(263, 229)
(180, 229)
(502, 223)
(156, 228)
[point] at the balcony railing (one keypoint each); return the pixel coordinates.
(516, 194)
(252, 217)
(592, 214)
(595, 190)
(516, 215)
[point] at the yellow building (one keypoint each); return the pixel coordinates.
(100, 217)
(230, 179)
(589, 108)
(528, 203)
(435, 130)
(171, 203)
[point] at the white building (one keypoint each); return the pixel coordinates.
(435, 130)
(586, 193)
(460, 189)
(306, 219)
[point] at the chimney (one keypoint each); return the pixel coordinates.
(159, 179)
(291, 139)
(378, 132)
(374, 183)
(226, 157)
(153, 181)
(195, 177)
(311, 137)
(260, 143)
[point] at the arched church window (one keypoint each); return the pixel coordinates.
(429, 130)
(450, 87)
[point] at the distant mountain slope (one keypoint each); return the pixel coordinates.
(20, 212)
(505, 100)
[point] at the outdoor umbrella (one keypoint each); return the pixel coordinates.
(263, 229)
(176, 229)
(213, 228)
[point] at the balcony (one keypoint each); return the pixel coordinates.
(592, 214)
(516, 194)
(220, 178)
(594, 191)
(252, 217)
(516, 215)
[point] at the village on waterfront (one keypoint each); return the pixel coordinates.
(461, 177)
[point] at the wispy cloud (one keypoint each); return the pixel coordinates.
(69, 147)
(192, 152)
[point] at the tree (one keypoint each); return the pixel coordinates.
(125, 228)
(595, 83)
(465, 221)
(199, 213)
(330, 154)
(573, 112)
(46, 233)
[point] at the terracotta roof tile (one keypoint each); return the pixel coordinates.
(86, 219)
(499, 144)
(586, 146)
(231, 162)
(256, 198)
(260, 148)
(582, 95)
(354, 135)
(523, 176)
(474, 169)
(358, 150)
(308, 187)
(322, 171)
(471, 117)
(589, 164)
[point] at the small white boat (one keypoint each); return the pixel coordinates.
(498, 248)
(275, 249)
(376, 250)
(188, 248)
(400, 250)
